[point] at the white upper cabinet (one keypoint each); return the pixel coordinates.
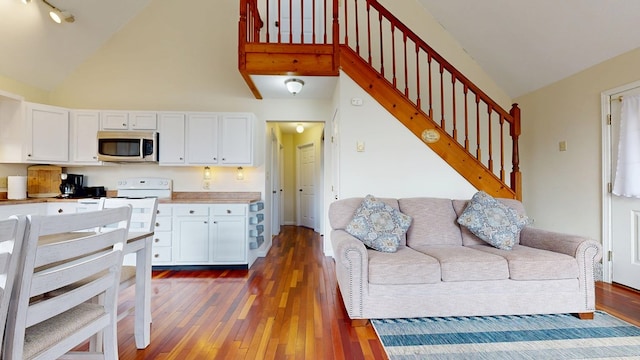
(171, 127)
(84, 141)
(236, 140)
(201, 139)
(128, 120)
(47, 134)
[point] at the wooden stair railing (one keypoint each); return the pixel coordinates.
(418, 86)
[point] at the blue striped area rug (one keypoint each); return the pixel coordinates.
(560, 336)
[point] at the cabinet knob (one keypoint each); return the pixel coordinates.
(191, 211)
(157, 224)
(124, 124)
(228, 211)
(156, 255)
(60, 211)
(29, 155)
(206, 222)
(156, 240)
(214, 159)
(181, 158)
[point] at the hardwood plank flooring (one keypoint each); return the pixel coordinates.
(287, 306)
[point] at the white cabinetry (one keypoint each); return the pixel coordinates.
(201, 139)
(128, 120)
(22, 209)
(47, 134)
(191, 234)
(236, 140)
(84, 140)
(171, 129)
(57, 208)
(161, 254)
(229, 234)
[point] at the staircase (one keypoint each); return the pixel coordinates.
(427, 94)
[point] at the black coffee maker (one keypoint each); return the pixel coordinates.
(71, 185)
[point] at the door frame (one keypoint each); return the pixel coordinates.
(607, 167)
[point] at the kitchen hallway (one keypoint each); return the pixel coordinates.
(286, 306)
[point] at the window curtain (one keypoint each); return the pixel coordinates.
(627, 179)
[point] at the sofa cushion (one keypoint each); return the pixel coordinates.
(492, 221)
(460, 263)
(378, 225)
(434, 222)
(406, 266)
(468, 238)
(527, 263)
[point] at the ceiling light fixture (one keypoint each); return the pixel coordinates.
(294, 85)
(299, 129)
(58, 15)
(25, 1)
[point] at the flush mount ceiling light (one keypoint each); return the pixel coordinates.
(299, 129)
(58, 15)
(294, 85)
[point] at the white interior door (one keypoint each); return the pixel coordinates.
(306, 185)
(294, 20)
(625, 214)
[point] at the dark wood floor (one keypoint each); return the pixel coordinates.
(286, 307)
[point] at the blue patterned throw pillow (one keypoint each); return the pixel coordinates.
(492, 221)
(378, 225)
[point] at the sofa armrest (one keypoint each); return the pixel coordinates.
(586, 252)
(352, 270)
(571, 245)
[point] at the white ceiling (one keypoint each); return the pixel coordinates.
(41, 53)
(527, 44)
(522, 44)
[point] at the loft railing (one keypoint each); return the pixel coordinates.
(456, 106)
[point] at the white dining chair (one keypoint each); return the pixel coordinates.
(11, 239)
(61, 250)
(143, 219)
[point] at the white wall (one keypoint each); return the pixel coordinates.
(562, 190)
(395, 162)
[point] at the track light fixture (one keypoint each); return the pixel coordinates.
(56, 14)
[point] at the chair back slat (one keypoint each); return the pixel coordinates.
(11, 240)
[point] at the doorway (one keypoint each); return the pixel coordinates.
(621, 224)
(285, 174)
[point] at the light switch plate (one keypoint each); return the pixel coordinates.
(360, 146)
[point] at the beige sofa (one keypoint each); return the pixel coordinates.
(445, 270)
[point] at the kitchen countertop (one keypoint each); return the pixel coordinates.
(176, 198)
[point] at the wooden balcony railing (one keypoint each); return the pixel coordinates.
(313, 37)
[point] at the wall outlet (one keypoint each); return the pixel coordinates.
(3, 182)
(206, 184)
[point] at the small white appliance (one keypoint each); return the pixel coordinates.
(140, 187)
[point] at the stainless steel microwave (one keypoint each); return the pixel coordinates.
(128, 146)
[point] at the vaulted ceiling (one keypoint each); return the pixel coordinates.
(522, 44)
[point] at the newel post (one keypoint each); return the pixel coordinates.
(516, 176)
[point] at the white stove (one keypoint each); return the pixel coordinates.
(145, 187)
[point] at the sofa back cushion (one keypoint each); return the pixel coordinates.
(468, 238)
(341, 212)
(434, 222)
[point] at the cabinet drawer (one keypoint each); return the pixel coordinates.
(161, 255)
(162, 238)
(163, 210)
(163, 223)
(230, 209)
(191, 211)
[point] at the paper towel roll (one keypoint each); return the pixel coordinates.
(16, 187)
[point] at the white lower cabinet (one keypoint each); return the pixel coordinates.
(203, 234)
(191, 234)
(229, 234)
(162, 236)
